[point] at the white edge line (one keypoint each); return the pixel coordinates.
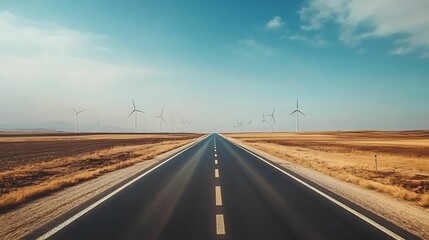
(92, 206)
(356, 213)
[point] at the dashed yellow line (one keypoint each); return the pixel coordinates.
(216, 173)
(220, 224)
(216, 161)
(218, 196)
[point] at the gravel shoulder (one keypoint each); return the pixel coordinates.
(404, 214)
(35, 214)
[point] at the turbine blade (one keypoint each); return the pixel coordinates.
(74, 110)
(139, 111)
(80, 111)
(293, 112)
(274, 120)
(134, 105)
(301, 112)
(131, 113)
(273, 111)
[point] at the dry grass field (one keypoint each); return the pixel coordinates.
(402, 157)
(33, 165)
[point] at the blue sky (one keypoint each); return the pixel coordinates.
(352, 64)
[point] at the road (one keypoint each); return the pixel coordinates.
(217, 190)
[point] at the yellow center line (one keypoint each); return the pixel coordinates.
(220, 224)
(215, 155)
(218, 196)
(216, 173)
(216, 161)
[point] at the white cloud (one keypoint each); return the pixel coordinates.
(276, 22)
(317, 41)
(49, 53)
(362, 19)
(247, 42)
(252, 49)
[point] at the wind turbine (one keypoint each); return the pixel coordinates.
(297, 111)
(273, 120)
(98, 122)
(233, 126)
(135, 111)
(250, 123)
(263, 121)
(241, 125)
(76, 120)
(183, 123)
(172, 124)
(161, 119)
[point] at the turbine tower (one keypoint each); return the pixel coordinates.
(251, 125)
(263, 121)
(76, 120)
(297, 111)
(135, 111)
(183, 123)
(233, 126)
(172, 124)
(241, 125)
(161, 119)
(273, 120)
(98, 122)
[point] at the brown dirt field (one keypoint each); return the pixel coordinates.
(403, 157)
(19, 149)
(34, 168)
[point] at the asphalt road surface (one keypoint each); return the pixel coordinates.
(217, 190)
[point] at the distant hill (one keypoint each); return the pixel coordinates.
(61, 126)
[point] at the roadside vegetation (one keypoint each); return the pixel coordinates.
(26, 181)
(402, 158)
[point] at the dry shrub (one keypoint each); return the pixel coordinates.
(74, 171)
(360, 175)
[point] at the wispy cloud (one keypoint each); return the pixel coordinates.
(363, 19)
(316, 41)
(50, 53)
(252, 49)
(275, 22)
(247, 42)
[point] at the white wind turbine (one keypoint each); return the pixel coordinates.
(297, 111)
(183, 123)
(233, 126)
(76, 120)
(135, 111)
(172, 124)
(161, 119)
(98, 122)
(251, 125)
(273, 120)
(189, 126)
(263, 121)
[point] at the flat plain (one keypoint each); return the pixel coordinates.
(35, 164)
(402, 157)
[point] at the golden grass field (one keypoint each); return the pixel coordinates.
(403, 157)
(33, 166)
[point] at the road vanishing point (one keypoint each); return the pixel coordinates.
(216, 189)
